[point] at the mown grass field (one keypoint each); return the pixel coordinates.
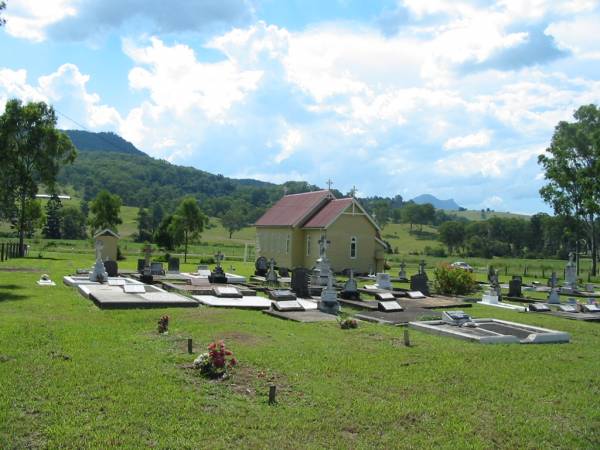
(74, 376)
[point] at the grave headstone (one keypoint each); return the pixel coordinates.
(156, 268)
(218, 275)
(301, 281)
(261, 266)
(322, 270)
(553, 297)
(402, 273)
(571, 274)
(418, 282)
(422, 272)
(384, 281)
(389, 306)
(329, 303)
(98, 272)
(514, 287)
(283, 272)
(590, 308)
(457, 318)
(146, 274)
(350, 291)
(141, 263)
(112, 268)
(271, 278)
(173, 265)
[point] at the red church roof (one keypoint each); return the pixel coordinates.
(328, 214)
(292, 209)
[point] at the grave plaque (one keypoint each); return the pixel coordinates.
(391, 306)
(134, 288)
(539, 307)
(415, 294)
(514, 287)
(590, 308)
(199, 281)
(289, 305)
(300, 282)
(385, 296)
(568, 308)
(227, 292)
(173, 266)
(111, 267)
(419, 283)
(117, 282)
(458, 318)
(282, 295)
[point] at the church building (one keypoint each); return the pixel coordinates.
(290, 231)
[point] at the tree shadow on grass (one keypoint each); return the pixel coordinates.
(6, 292)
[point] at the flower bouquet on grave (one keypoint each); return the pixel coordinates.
(163, 325)
(217, 362)
(346, 324)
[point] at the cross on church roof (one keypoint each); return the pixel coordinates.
(353, 192)
(329, 183)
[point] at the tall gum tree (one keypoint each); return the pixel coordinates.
(572, 171)
(32, 152)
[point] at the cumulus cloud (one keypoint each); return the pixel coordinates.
(83, 19)
(479, 139)
(289, 143)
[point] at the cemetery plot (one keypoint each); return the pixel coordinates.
(307, 316)
(492, 331)
(133, 296)
(396, 317)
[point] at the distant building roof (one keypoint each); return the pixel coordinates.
(292, 209)
(329, 213)
(62, 197)
(107, 232)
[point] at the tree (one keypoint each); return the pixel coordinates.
(72, 223)
(452, 234)
(105, 210)
(410, 213)
(188, 221)
(162, 235)
(30, 219)
(2, 7)
(52, 227)
(234, 220)
(424, 214)
(157, 216)
(572, 169)
(144, 221)
(32, 152)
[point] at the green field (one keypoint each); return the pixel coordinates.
(74, 376)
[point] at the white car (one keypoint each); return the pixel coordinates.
(461, 265)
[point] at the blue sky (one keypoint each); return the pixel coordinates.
(452, 98)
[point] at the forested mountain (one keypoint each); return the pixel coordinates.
(101, 142)
(449, 205)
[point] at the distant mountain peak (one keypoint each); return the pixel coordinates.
(87, 141)
(449, 204)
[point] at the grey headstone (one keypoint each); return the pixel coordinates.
(112, 268)
(173, 266)
(419, 283)
(282, 295)
(514, 287)
(156, 268)
(141, 263)
(301, 281)
(261, 265)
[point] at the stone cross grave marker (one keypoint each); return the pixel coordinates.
(218, 258)
(402, 273)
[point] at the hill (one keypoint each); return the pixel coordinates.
(449, 204)
(86, 141)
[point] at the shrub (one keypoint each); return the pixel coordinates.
(207, 260)
(348, 323)
(163, 324)
(435, 251)
(217, 362)
(450, 280)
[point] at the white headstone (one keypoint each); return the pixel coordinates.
(384, 281)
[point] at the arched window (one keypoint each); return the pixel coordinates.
(353, 249)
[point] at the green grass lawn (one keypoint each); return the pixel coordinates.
(74, 376)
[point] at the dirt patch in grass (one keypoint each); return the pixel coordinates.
(245, 338)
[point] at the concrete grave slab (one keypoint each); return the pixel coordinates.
(227, 292)
(134, 288)
(397, 317)
(250, 302)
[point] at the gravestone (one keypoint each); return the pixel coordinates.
(422, 272)
(553, 297)
(322, 270)
(418, 282)
(173, 265)
(514, 287)
(389, 306)
(329, 303)
(494, 283)
(203, 267)
(271, 278)
(570, 275)
(385, 296)
(218, 275)
(146, 273)
(402, 273)
(156, 268)
(590, 308)
(141, 263)
(301, 281)
(457, 318)
(261, 266)
(282, 295)
(350, 291)
(112, 268)
(383, 281)
(98, 272)
(283, 272)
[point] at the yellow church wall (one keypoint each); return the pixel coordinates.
(276, 243)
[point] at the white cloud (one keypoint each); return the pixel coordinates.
(28, 19)
(493, 202)
(289, 143)
(479, 139)
(579, 34)
(492, 164)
